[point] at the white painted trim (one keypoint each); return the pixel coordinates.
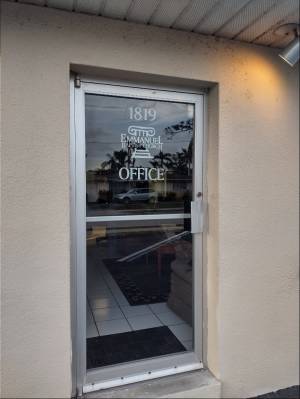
(140, 93)
(171, 88)
(80, 234)
(73, 271)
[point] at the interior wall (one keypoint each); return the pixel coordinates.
(252, 244)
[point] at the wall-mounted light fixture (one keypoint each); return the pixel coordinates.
(290, 54)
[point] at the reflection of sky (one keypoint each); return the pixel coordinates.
(107, 117)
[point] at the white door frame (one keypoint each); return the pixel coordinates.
(145, 369)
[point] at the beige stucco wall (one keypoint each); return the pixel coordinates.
(252, 243)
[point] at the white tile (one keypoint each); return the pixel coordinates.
(99, 295)
(188, 345)
(158, 308)
(143, 322)
(89, 316)
(103, 294)
(115, 289)
(91, 330)
(113, 327)
(96, 283)
(140, 310)
(169, 318)
(108, 314)
(182, 331)
(103, 302)
(98, 292)
(120, 298)
(110, 281)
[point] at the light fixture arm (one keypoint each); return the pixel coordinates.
(290, 54)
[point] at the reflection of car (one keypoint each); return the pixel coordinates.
(137, 194)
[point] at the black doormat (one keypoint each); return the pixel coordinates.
(130, 346)
(140, 280)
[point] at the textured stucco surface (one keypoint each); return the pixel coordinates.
(252, 243)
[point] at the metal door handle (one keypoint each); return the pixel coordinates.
(197, 216)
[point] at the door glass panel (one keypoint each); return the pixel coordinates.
(138, 155)
(139, 282)
(139, 174)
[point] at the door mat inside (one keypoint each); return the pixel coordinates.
(142, 281)
(130, 346)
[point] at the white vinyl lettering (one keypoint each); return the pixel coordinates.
(139, 170)
(141, 174)
(146, 173)
(121, 174)
(142, 140)
(133, 173)
(141, 113)
(151, 170)
(160, 174)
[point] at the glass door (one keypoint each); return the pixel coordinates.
(139, 161)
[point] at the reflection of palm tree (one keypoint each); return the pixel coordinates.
(181, 127)
(179, 162)
(162, 159)
(159, 161)
(115, 161)
(187, 156)
(182, 160)
(130, 150)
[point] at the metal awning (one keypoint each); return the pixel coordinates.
(252, 21)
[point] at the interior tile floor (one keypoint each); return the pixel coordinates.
(108, 311)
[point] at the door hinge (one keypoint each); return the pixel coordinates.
(77, 82)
